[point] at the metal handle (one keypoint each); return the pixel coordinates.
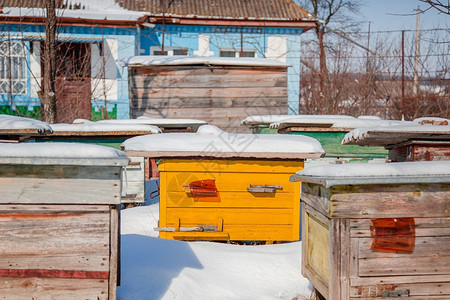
(264, 188)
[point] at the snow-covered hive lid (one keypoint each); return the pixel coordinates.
(338, 122)
(436, 129)
(376, 173)
(160, 60)
(75, 154)
(210, 141)
(163, 122)
(86, 127)
(269, 119)
(21, 125)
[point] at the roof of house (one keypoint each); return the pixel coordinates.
(276, 13)
(230, 9)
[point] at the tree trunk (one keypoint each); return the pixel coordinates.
(49, 96)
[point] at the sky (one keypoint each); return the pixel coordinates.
(400, 15)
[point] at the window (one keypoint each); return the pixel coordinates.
(169, 51)
(237, 53)
(13, 68)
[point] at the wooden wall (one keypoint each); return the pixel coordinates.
(220, 95)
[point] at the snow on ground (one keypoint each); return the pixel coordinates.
(154, 268)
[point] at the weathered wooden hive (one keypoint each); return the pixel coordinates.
(221, 186)
(219, 90)
(59, 220)
(377, 230)
(425, 139)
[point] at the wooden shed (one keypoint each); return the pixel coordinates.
(219, 90)
(377, 231)
(406, 143)
(59, 221)
(222, 186)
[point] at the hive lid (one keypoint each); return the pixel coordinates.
(88, 128)
(158, 60)
(75, 154)
(12, 125)
(376, 173)
(211, 142)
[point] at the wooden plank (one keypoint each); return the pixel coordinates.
(424, 246)
(230, 92)
(423, 227)
(391, 201)
(240, 233)
(54, 191)
(55, 171)
(415, 289)
(202, 80)
(278, 103)
(231, 166)
(345, 258)
(235, 200)
(316, 281)
(335, 260)
(317, 245)
(317, 197)
(114, 254)
(398, 279)
(227, 181)
(52, 288)
(406, 265)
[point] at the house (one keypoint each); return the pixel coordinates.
(92, 35)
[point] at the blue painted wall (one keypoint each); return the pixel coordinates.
(130, 39)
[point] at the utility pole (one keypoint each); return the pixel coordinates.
(48, 97)
(416, 57)
(403, 74)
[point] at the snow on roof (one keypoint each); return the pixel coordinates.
(86, 9)
(159, 60)
(384, 136)
(337, 122)
(148, 121)
(268, 119)
(88, 126)
(210, 141)
(19, 123)
(376, 173)
(432, 121)
(60, 154)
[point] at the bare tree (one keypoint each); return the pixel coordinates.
(48, 97)
(439, 5)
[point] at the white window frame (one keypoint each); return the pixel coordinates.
(14, 52)
(237, 53)
(168, 49)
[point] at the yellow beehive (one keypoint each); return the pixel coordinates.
(208, 192)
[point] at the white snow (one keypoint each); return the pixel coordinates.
(414, 169)
(338, 122)
(159, 60)
(361, 133)
(268, 119)
(211, 141)
(96, 127)
(58, 150)
(147, 121)
(154, 268)
(13, 122)
(89, 9)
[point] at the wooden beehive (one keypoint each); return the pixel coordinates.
(219, 186)
(407, 143)
(377, 230)
(59, 221)
(219, 90)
